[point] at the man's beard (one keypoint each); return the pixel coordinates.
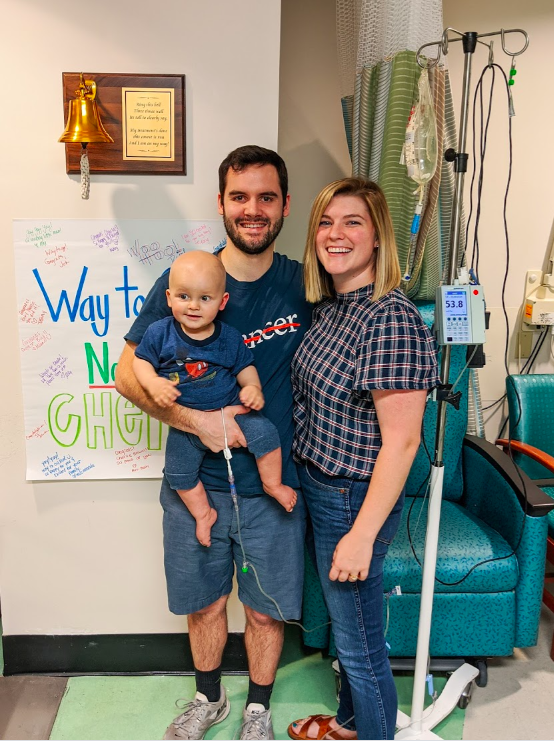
(252, 247)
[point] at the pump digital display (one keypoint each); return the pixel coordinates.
(455, 303)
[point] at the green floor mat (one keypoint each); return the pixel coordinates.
(137, 708)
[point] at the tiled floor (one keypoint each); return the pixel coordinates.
(518, 702)
(28, 706)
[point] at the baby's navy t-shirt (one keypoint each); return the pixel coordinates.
(205, 370)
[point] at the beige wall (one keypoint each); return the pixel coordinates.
(86, 557)
(311, 138)
(531, 199)
(311, 132)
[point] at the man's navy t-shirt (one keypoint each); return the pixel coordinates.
(272, 315)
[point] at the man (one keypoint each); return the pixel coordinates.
(268, 308)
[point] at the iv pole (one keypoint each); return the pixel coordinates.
(416, 727)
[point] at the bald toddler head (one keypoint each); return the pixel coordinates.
(198, 267)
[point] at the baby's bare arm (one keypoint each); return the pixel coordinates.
(251, 392)
(163, 391)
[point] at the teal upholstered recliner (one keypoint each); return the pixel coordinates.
(491, 552)
(531, 408)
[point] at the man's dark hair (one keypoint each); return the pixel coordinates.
(251, 154)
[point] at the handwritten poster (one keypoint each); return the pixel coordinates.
(80, 285)
(148, 123)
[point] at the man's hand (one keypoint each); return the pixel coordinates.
(210, 428)
(351, 559)
(163, 391)
(251, 396)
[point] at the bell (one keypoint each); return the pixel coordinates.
(83, 121)
(84, 126)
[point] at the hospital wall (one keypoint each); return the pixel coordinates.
(530, 212)
(85, 557)
(312, 141)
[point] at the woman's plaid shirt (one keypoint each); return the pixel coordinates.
(352, 347)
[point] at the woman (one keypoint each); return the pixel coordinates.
(361, 378)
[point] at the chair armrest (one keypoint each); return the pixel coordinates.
(533, 501)
(497, 492)
(541, 457)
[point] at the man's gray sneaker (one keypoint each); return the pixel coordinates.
(198, 716)
(256, 722)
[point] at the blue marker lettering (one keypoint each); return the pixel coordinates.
(71, 310)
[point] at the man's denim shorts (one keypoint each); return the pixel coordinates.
(273, 542)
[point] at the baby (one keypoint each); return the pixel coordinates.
(200, 362)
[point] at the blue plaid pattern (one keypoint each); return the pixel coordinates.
(352, 347)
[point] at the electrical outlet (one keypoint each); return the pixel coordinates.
(526, 331)
(538, 304)
(532, 283)
(525, 343)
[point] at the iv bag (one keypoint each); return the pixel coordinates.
(420, 147)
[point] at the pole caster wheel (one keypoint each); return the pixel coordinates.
(465, 698)
(482, 679)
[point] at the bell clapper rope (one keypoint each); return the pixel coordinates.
(85, 172)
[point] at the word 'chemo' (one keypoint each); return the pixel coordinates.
(103, 420)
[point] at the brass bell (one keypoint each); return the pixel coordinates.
(83, 121)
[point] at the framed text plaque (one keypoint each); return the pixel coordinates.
(145, 115)
(148, 131)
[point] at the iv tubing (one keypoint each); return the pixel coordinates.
(245, 563)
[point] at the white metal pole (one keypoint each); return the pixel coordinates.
(437, 470)
(427, 592)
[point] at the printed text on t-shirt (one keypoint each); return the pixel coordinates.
(280, 326)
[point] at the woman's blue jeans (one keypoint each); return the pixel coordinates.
(367, 691)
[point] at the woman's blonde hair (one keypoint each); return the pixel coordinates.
(318, 283)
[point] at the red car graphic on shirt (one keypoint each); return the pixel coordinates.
(196, 368)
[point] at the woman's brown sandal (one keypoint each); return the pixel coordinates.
(323, 731)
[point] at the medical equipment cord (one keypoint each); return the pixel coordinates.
(245, 563)
(526, 369)
(475, 266)
(483, 561)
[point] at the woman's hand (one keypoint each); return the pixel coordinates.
(351, 559)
